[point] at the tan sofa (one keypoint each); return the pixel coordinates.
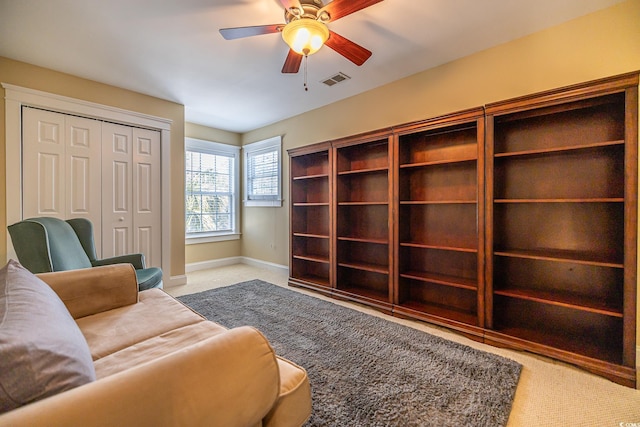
(158, 363)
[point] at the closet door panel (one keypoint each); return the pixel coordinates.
(43, 164)
(83, 172)
(117, 212)
(146, 195)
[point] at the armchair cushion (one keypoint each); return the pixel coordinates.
(149, 278)
(137, 260)
(42, 350)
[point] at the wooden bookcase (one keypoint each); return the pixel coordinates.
(562, 223)
(363, 213)
(514, 224)
(310, 187)
(440, 190)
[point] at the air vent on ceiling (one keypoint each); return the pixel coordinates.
(335, 79)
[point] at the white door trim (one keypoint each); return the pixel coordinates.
(16, 97)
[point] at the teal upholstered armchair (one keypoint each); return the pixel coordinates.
(51, 244)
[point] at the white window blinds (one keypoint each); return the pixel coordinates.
(263, 173)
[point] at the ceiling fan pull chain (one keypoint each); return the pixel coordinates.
(306, 59)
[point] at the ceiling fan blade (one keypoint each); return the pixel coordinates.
(292, 63)
(240, 32)
(291, 4)
(339, 8)
(350, 50)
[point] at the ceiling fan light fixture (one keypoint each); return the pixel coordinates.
(305, 36)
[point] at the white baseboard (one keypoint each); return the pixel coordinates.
(214, 263)
(264, 264)
(175, 281)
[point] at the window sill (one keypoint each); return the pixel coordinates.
(211, 238)
(263, 203)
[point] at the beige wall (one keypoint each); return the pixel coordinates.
(210, 251)
(598, 45)
(29, 76)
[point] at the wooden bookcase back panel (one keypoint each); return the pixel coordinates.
(589, 231)
(589, 334)
(439, 145)
(579, 123)
(310, 220)
(361, 157)
(584, 287)
(368, 222)
(596, 173)
(441, 183)
(440, 225)
(311, 247)
(456, 268)
(310, 165)
(310, 191)
(364, 187)
(369, 284)
(436, 299)
(369, 256)
(310, 271)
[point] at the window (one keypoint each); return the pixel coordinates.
(263, 172)
(211, 191)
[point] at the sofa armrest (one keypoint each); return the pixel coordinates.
(94, 290)
(137, 260)
(229, 380)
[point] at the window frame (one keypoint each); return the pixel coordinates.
(221, 149)
(267, 145)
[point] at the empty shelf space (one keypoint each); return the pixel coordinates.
(444, 312)
(588, 258)
(375, 268)
(318, 280)
(573, 344)
(566, 148)
(439, 162)
(442, 279)
(314, 258)
(372, 294)
(562, 300)
(420, 245)
(364, 171)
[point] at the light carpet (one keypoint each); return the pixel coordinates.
(367, 371)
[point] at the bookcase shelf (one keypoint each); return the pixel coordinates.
(562, 223)
(514, 223)
(439, 185)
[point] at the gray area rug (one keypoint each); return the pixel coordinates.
(367, 371)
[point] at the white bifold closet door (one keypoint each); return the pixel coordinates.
(131, 192)
(79, 167)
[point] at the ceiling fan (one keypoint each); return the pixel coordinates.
(305, 30)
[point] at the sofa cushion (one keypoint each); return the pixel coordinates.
(156, 347)
(42, 351)
(155, 313)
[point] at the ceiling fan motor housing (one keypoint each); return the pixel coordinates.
(310, 10)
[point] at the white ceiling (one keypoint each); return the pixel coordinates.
(172, 49)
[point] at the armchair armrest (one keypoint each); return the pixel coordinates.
(137, 260)
(94, 290)
(230, 380)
